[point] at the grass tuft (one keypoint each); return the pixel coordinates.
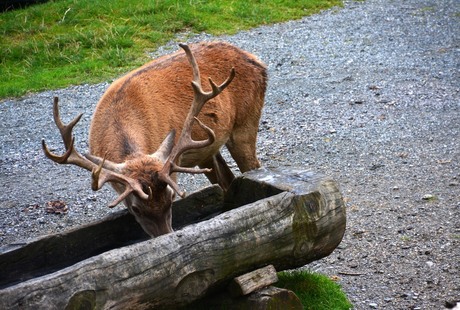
(64, 42)
(316, 291)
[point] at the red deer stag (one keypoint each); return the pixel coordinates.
(132, 139)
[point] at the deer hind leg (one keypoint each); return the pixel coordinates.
(221, 173)
(242, 147)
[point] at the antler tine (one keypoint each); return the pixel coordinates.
(71, 156)
(65, 130)
(201, 97)
(185, 141)
(192, 61)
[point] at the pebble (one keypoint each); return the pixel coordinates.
(373, 305)
(428, 197)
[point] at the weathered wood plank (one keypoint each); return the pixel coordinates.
(287, 230)
(253, 281)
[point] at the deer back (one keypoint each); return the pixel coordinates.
(138, 110)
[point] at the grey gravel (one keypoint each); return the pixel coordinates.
(367, 94)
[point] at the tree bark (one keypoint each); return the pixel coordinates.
(302, 223)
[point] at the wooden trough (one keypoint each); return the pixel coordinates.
(284, 217)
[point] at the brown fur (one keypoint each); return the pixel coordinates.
(138, 110)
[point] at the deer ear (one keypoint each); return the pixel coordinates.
(166, 146)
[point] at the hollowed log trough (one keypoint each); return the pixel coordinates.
(283, 217)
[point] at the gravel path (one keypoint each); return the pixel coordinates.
(368, 94)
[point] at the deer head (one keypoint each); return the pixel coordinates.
(145, 182)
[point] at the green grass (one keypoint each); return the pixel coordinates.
(65, 42)
(316, 291)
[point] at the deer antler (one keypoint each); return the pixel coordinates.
(185, 141)
(100, 175)
(71, 156)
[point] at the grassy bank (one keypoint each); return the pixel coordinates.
(316, 291)
(65, 42)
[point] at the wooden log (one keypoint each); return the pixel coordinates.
(317, 200)
(32, 258)
(253, 281)
(287, 230)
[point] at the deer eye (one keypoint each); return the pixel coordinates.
(148, 190)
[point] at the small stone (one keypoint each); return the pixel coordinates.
(430, 264)
(91, 198)
(405, 295)
(373, 305)
(428, 197)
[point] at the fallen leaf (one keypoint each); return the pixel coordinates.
(56, 207)
(335, 278)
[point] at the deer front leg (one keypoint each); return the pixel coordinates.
(220, 173)
(242, 147)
